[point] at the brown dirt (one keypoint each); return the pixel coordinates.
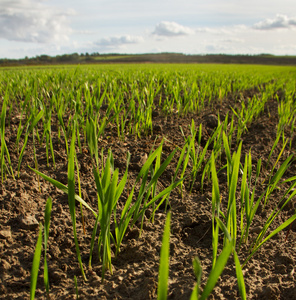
(270, 274)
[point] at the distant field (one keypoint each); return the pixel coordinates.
(111, 57)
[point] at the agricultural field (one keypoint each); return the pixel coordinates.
(148, 182)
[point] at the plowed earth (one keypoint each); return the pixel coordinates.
(270, 274)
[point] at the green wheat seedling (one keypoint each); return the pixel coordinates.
(260, 240)
(35, 265)
(184, 158)
(163, 274)
(248, 204)
(4, 150)
(248, 207)
(194, 153)
(141, 204)
(109, 190)
(274, 146)
(233, 171)
(46, 236)
(48, 136)
(213, 276)
(109, 193)
(71, 197)
(62, 125)
(215, 209)
(247, 114)
(132, 212)
(38, 251)
(273, 182)
(238, 267)
(80, 194)
(32, 122)
(216, 139)
(229, 230)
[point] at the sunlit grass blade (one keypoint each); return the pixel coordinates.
(231, 218)
(273, 147)
(4, 149)
(35, 265)
(145, 188)
(277, 177)
(160, 195)
(223, 228)
(92, 243)
(46, 235)
(125, 217)
(240, 277)
(273, 233)
(163, 274)
(109, 191)
(80, 194)
(34, 120)
(71, 199)
(216, 271)
(149, 161)
(198, 273)
(215, 209)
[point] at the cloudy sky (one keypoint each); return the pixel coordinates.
(35, 27)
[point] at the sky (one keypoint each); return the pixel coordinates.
(54, 27)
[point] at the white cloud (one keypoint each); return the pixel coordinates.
(168, 29)
(119, 40)
(280, 21)
(33, 21)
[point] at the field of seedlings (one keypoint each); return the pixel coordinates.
(148, 182)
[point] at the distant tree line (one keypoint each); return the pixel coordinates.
(95, 57)
(46, 59)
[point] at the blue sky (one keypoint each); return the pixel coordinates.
(35, 27)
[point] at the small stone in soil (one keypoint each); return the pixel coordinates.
(5, 233)
(211, 121)
(29, 222)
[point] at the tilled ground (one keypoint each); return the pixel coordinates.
(270, 274)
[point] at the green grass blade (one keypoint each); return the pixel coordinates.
(71, 198)
(231, 207)
(122, 225)
(148, 163)
(226, 147)
(92, 243)
(35, 265)
(36, 119)
(163, 275)
(46, 235)
(223, 228)
(215, 208)
(240, 277)
(153, 181)
(277, 230)
(161, 194)
(198, 273)
(217, 270)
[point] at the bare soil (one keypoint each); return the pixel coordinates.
(270, 274)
